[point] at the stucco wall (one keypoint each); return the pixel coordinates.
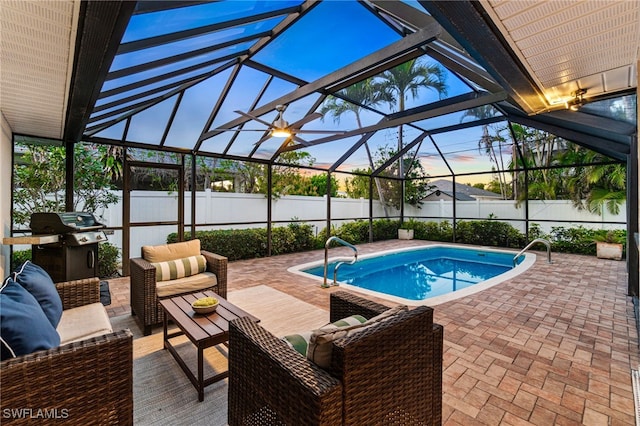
(5, 192)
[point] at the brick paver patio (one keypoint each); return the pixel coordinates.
(554, 345)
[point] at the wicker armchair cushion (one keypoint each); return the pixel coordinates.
(24, 328)
(38, 282)
(320, 347)
(83, 322)
(179, 268)
(300, 341)
(186, 285)
(162, 253)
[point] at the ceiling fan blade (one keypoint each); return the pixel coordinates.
(328, 132)
(259, 120)
(305, 120)
(238, 130)
(263, 139)
(298, 139)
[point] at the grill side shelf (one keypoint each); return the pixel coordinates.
(31, 239)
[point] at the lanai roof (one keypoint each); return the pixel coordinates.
(171, 75)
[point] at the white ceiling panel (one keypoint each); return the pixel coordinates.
(566, 45)
(36, 56)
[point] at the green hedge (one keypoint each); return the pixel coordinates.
(236, 244)
(579, 240)
(251, 243)
(357, 232)
(489, 233)
(431, 231)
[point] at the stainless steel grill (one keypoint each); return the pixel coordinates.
(73, 252)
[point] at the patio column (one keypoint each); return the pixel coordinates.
(69, 169)
(632, 218)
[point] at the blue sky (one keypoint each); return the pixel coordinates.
(331, 36)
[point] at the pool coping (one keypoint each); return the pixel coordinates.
(528, 261)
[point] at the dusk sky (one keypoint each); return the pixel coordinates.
(331, 36)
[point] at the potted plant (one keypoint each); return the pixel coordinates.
(406, 230)
(609, 245)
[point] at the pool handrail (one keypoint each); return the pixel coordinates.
(326, 259)
(536, 241)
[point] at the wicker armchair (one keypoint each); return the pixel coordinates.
(144, 298)
(388, 374)
(86, 382)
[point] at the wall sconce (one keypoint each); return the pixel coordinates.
(576, 103)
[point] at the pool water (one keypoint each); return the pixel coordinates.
(421, 273)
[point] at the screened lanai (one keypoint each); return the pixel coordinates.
(199, 116)
(383, 96)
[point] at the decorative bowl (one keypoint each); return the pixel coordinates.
(206, 305)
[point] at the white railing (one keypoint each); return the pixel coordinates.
(339, 264)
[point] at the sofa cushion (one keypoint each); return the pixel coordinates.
(173, 251)
(300, 341)
(24, 328)
(320, 347)
(186, 285)
(184, 267)
(38, 282)
(83, 322)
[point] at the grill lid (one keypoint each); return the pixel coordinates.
(63, 223)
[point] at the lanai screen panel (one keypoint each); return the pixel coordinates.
(185, 77)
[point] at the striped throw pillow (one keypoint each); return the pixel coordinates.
(300, 341)
(320, 347)
(179, 268)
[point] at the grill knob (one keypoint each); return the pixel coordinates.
(83, 239)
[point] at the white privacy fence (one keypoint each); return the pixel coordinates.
(221, 210)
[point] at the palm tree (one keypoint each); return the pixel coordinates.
(596, 186)
(407, 79)
(486, 142)
(365, 93)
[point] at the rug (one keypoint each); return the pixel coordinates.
(163, 395)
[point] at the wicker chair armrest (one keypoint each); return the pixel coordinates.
(266, 376)
(141, 268)
(399, 362)
(343, 304)
(79, 292)
(142, 264)
(217, 264)
(87, 382)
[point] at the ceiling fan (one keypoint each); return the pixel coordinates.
(282, 129)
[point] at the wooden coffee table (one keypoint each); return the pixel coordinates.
(204, 331)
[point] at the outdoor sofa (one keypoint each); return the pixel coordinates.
(389, 373)
(86, 379)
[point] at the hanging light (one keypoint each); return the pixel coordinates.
(280, 125)
(576, 103)
(280, 133)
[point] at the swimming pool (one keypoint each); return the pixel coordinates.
(423, 275)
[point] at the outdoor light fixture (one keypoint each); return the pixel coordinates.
(280, 133)
(280, 126)
(576, 103)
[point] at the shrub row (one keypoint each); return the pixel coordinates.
(357, 232)
(251, 243)
(236, 244)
